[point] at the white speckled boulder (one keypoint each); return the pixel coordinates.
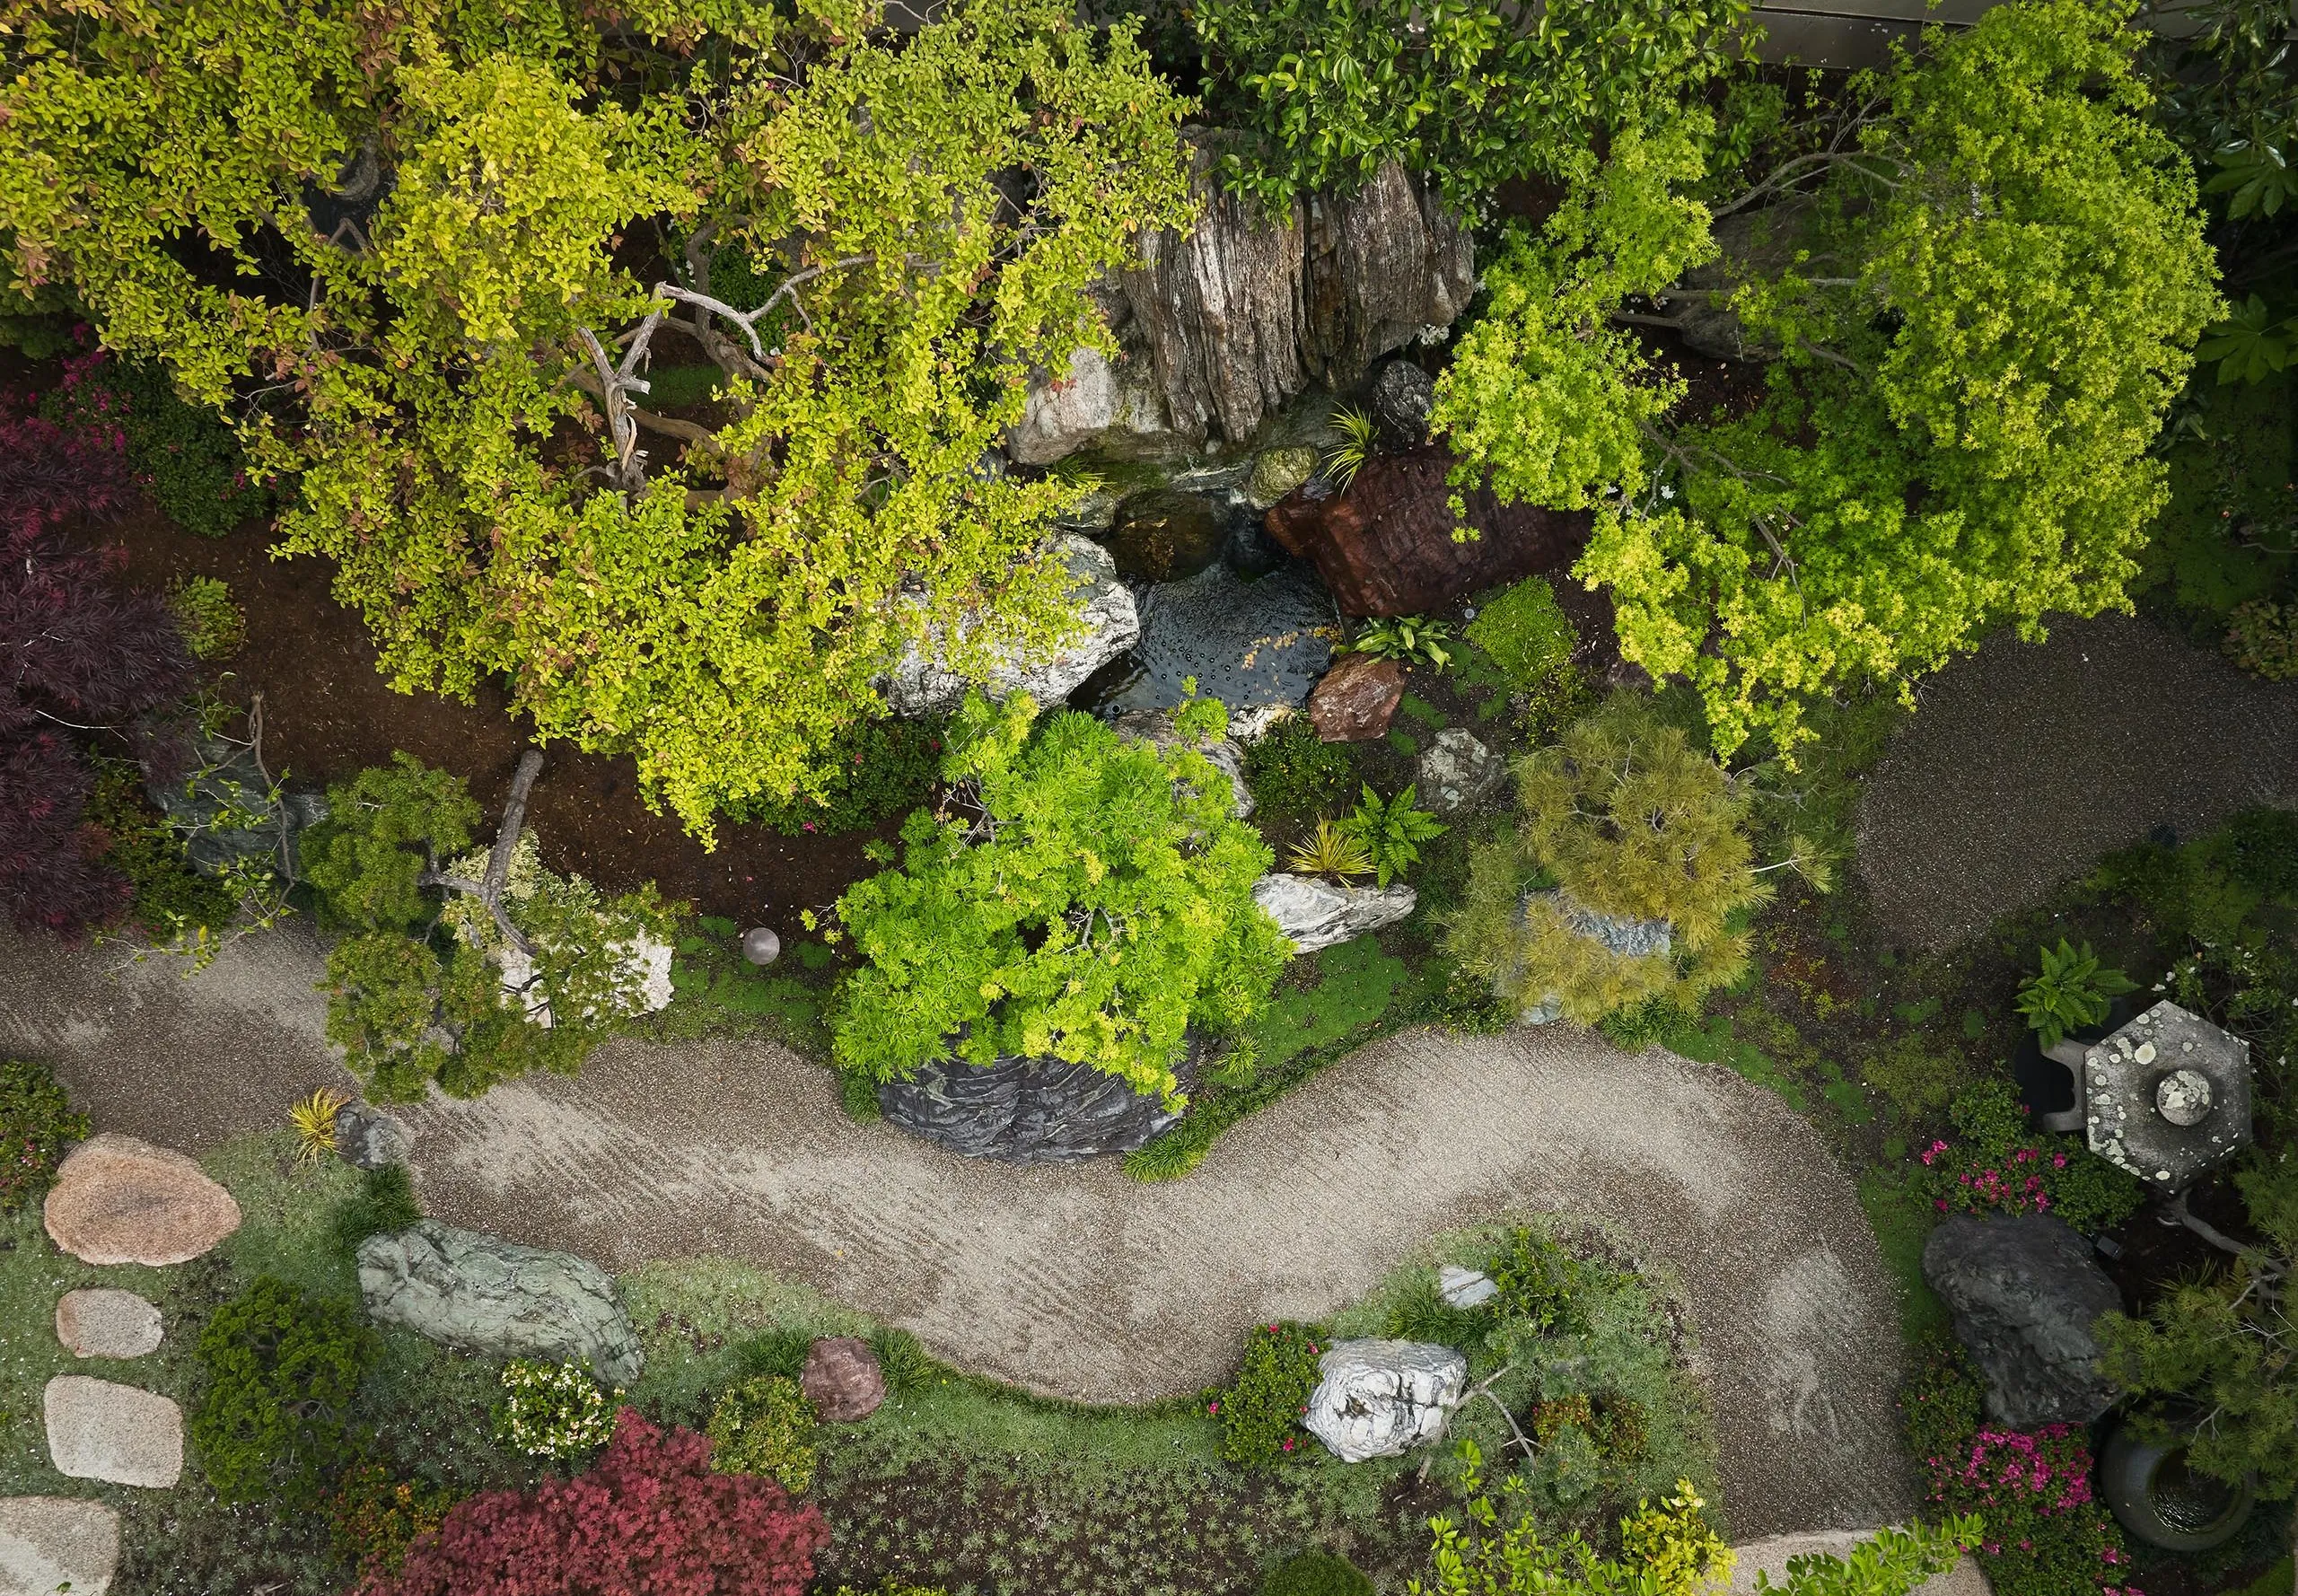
(1316, 913)
(1379, 1399)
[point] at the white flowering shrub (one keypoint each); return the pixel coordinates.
(553, 1410)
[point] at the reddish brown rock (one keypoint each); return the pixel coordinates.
(118, 1200)
(1385, 547)
(842, 1380)
(1356, 698)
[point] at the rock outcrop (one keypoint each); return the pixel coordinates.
(1458, 772)
(924, 683)
(366, 1138)
(98, 1429)
(1403, 398)
(1315, 913)
(1356, 699)
(1220, 327)
(2025, 1293)
(1381, 1398)
(498, 1298)
(118, 1200)
(226, 779)
(1026, 1111)
(54, 1543)
(1385, 546)
(99, 1322)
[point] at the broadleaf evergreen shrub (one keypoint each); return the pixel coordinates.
(553, 1410)
(374, 1518)
(1294, 774)
(1995, 1164)
(214, 626)
(765, 1427)
(38, 1125)
(280, 1371)
(1260, 1410)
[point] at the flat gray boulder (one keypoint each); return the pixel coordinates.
(1381, 1398)
(923, 681)
(100, 1430)
(1316, 913)
(2025, 1293)
(497, 1297)
(1457, 772)
(51, 1544)
(104, 1323)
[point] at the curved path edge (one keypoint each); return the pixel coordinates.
(1073, 1280)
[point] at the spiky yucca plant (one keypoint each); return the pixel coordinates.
(1333, 852)
(1346, 459)
(313, 1121)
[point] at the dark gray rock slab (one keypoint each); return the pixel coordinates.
(2025, 1293)
(368, 1138)
(1026, 1111)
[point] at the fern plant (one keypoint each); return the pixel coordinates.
(1414, 639)
(2071, 991)
(1333, 851)
(1392, 831)
(1346, 458)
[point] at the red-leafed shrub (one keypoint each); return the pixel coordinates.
(77, 653)
(650, 1519)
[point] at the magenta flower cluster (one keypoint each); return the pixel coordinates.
(2015, 1185)
(2032, 1489)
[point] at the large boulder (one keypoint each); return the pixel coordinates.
(1457, 772)
(1750, 245)
(118, 1200)
(227, 783)
(1155, 727)
(1628, 938)
(1219, 327)
(50, 1545)
(1385, 547)
(842, 1380)
(1315, 913)
(99, 1322)
(1379, 1399)
(1026, 1111)
(923, 682)
(100, 1430)
(1356, 699)
(2025, 1293)
(500, 1299)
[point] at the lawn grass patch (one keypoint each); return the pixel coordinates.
(1902, 1220)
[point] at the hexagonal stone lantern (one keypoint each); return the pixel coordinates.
(2167, 1097)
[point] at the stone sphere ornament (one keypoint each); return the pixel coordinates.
(2183, 1097)
(760, 946)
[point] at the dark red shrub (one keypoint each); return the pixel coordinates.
(52, 876)
(649, 1520)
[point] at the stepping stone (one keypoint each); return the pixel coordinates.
(1770, 1556)
(118, 1200)
(104, 1323)
(99, 1430)
(53, 1543)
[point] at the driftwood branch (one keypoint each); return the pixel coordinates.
(488, 888)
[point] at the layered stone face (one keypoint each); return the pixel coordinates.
(493, 1296)
(1316, 913)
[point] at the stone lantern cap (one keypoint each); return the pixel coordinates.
(2168, 1097)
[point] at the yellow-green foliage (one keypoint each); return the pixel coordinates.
(1625, 818)
(765, 1427)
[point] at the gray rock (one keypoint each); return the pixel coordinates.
(923, 683)
(496, 1297)
(1403, 398)
(1465, 1288)
(100, 1430)
(1026, 1110)
(1315, 913)
(2025, 1292)
(1250, 552)
(1156, 728)
(761, 946)
(1750, 245)
(1457, 772)
(1098, 402)
(1381, 1398)
(368, 1138)
(104, 1323)
(1277, 472)
(56, 1544)
(226, 777)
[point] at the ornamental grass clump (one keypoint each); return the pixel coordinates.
(1076, 896)
(1621, 818)
(553, 1410)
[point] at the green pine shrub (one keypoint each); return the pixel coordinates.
(1316, 1574)
(37, 1125)
(1260, 1410)
(280, 1370)
(1295, 775)
(1627, 820)
(764, 1427)
(1078, 896)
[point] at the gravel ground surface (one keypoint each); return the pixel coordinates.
(1077, 1281)
(2026, 763)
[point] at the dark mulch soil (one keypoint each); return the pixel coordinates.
(327, 713)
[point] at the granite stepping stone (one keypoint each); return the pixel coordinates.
(104, 1323)
(98, 1429)
(54, 1543)
(118, 1200)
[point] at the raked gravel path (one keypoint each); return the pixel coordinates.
(1077, 1281)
